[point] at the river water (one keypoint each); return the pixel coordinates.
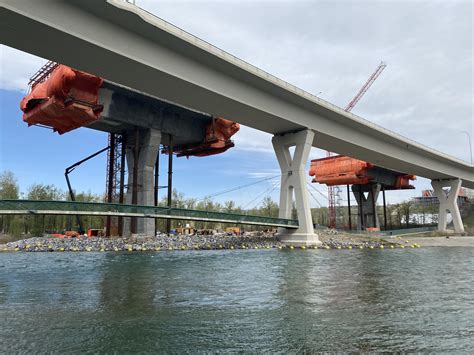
(261, 300)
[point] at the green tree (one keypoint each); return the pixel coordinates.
(229, 206)
(39, 224)
(8, 186)
(9, 190)
(269, 207)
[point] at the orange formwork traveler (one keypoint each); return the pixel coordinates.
(64, 100)
(342, 170)
(218, 134)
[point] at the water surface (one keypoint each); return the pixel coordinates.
(287, 301)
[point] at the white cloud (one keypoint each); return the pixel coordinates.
(16, 68)
(249, 139)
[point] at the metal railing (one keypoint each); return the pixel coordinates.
(34, 207)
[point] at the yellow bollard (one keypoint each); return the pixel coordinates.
(339, 247)
(292, 247)
(381, 247)
(391, 247)
(303, 247)
(371, 247)
(327, 247)
(402, 246)
(349, 247)
(361, 247)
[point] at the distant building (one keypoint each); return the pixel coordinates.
(428, 198)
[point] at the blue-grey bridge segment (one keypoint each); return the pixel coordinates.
(33, 207)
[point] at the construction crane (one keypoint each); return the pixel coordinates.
(331, 189)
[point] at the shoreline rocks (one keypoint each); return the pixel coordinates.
(163, 242)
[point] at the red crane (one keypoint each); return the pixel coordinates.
(349, 107)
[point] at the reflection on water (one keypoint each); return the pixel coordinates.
(288, 301)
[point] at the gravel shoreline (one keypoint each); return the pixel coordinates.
(255, 240)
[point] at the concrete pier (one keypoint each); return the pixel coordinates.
(149, 145)
(367, 205)
(293, 182)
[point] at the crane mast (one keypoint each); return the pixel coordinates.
(331, 189)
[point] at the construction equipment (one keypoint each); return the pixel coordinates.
(332, 204)
(233, 230)
(68, 170)
(366, 86)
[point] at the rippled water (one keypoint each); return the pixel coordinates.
(287, 301)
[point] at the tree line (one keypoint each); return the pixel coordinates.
(37, 225)
(398, 215)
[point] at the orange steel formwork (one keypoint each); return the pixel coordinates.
(342, 170)
(63, 99)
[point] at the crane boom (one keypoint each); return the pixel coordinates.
(366, 86)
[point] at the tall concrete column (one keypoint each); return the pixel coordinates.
(448, 201)
(293, 181)
(149, 145)
(367, 205)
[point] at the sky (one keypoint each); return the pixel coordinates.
(329, 48)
